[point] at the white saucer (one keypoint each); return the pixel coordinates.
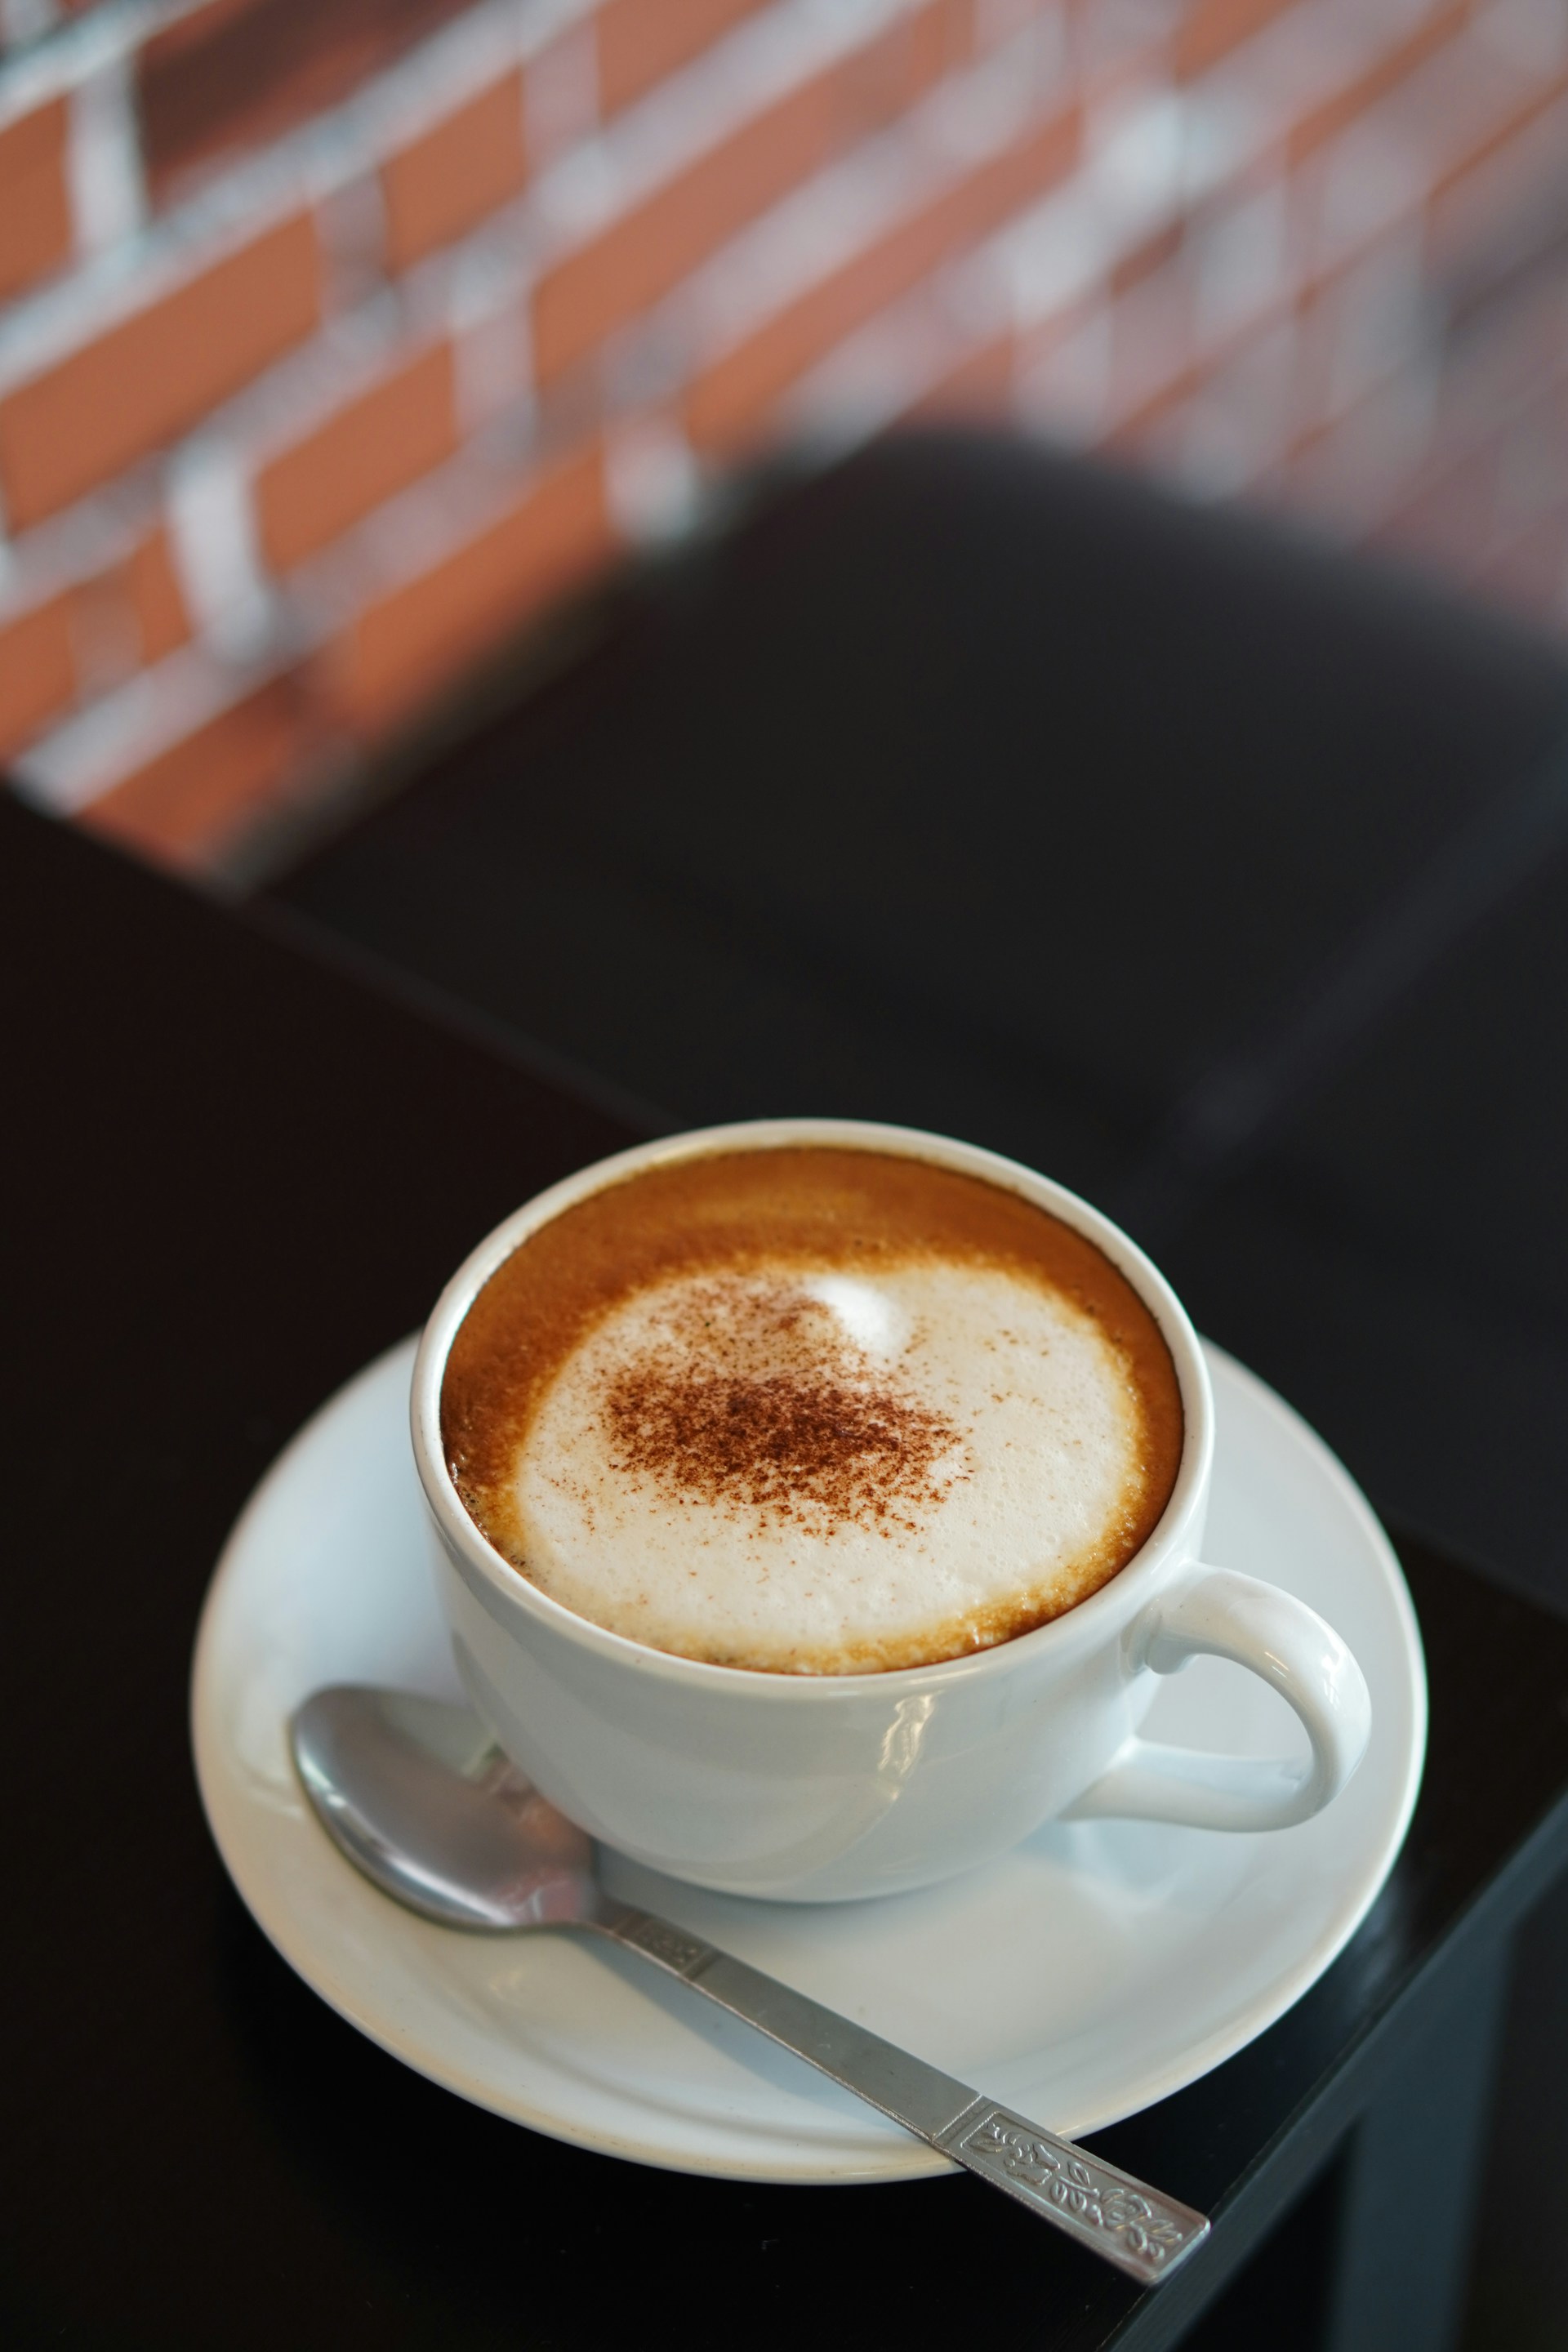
(1095, 1969)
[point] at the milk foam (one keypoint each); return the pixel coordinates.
(826, 1472)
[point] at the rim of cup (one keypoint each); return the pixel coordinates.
(1080, 1625)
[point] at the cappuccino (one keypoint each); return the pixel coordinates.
(812, 1410)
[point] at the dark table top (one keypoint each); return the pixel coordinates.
(236, 1170)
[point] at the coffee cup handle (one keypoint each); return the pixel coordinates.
(1214, 1613)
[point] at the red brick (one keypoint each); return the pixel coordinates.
(158, 373)
(445, 181)
(1141, 263)
(423, 635)
(1148, 416)
(186, 806)
(625, 269)
(1472, 223)
(36, 231)
(1511, 115)
(88, 636)
(362, 455)
(632, 264)
(155, 598)
(977, 390)
(1358, 97)
(941, 39)
(642, 41)
(226, 79)
(731, 399)
(37, 670)
(127, 615)
(1210, 29)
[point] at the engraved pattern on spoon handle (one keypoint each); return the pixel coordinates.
(1123, 2220)
(1135, 2226)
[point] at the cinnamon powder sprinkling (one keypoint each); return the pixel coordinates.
(753, 1397)
(816, 1451)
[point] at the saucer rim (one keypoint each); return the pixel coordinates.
(910, 2159)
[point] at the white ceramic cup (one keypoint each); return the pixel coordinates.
(814, 1788)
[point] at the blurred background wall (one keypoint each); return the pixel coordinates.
(340, 340)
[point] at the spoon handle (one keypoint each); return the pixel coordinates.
(1130, 2224)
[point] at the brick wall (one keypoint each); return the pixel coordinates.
(338, 341)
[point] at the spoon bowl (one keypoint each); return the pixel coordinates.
(420, 1797)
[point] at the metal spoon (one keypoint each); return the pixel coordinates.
(419, 1798)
